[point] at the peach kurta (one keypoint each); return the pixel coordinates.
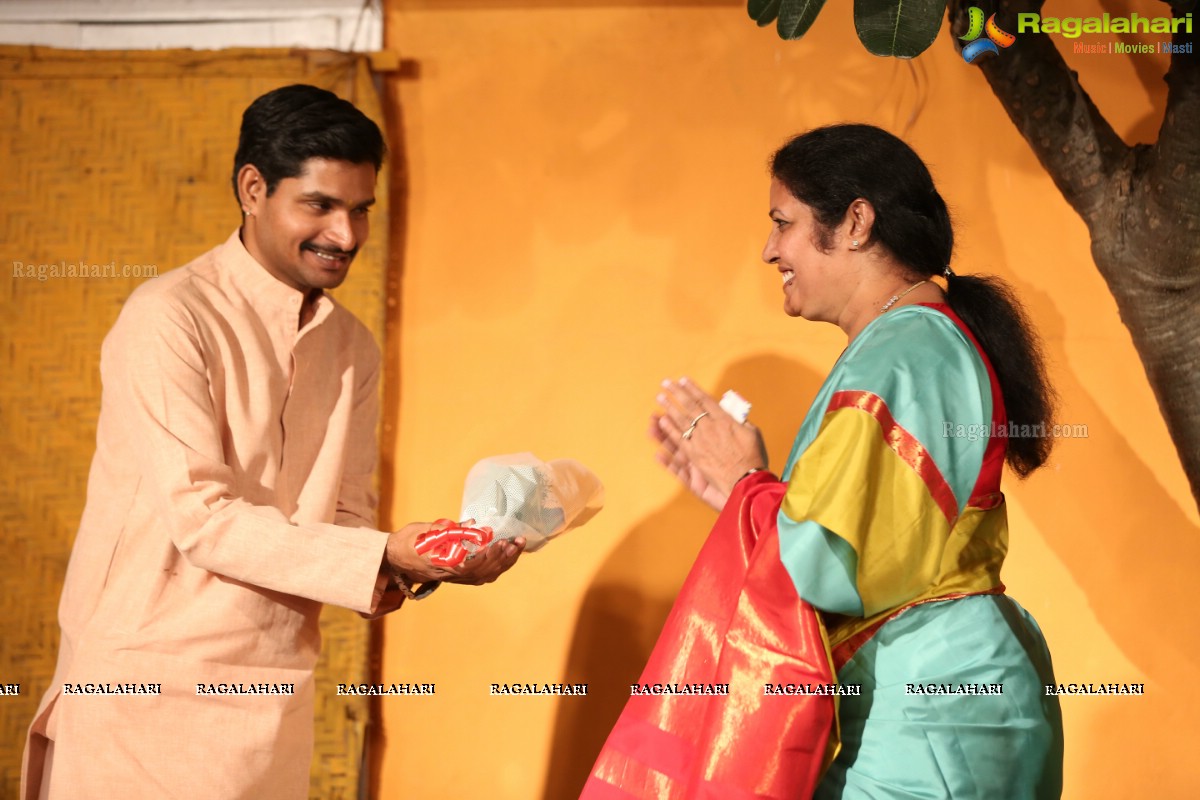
(229, 498)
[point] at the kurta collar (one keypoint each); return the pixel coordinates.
(260, 286)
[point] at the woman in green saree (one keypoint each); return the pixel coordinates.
(886, 523)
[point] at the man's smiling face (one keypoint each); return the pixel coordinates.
(309, 229)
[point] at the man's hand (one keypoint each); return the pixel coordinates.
(483, 567)
(390, 599)
(489, 563)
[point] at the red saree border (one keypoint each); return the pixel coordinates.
(903, 444)
(739, 623)
(997, 448)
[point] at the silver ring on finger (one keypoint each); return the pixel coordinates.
(692, 427)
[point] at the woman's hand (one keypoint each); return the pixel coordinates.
(718, 451)
(677, 464)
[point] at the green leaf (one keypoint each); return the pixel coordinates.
(763, 11)
(797, 16)
(900, 28)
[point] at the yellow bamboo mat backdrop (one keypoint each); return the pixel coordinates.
(124, 158)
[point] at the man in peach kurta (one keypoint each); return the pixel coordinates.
(230, 494)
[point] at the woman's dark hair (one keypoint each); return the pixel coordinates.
(287, 126)
(829, 168)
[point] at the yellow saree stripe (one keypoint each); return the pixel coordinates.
(904, 444)
(857, 487)
(854, 485)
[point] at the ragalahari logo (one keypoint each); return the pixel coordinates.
(996, 36)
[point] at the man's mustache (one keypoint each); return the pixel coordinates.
(329, 251)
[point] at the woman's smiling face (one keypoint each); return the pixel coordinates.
(813, 285)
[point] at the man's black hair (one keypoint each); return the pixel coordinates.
(287, 126)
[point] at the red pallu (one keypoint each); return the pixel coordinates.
(738, 622)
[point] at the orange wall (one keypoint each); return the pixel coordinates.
(586, 204)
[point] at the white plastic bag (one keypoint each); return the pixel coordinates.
(520, 495)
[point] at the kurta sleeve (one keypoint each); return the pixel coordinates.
(872, 499)
(357, 499)
(154, 372)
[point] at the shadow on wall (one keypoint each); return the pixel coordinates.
(1101, 508)
(1132, 550)
(622, 615)
(1127, 542)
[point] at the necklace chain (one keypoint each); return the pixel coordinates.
(896, 297)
